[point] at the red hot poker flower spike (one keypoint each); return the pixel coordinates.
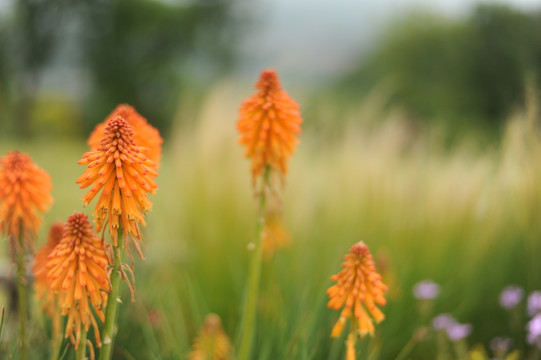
(24, 189)
(358, 288)
(124, 175)
(269, 124)
(77, 272)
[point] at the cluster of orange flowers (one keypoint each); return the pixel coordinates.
(71, 269)
(269, 124)
(76, 272)
(358, 288)
(24, 189)
(124, 174)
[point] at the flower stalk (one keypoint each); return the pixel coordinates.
(269, 124)
(113, 300)
(252, 294)
(81, 348)
(22, 301)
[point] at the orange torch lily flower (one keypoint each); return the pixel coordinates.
(24, 189)
(358, 288)
(41, 284)
(77, 272)
(211, 342)
(269, 124)
(145, 135)
(125, 175)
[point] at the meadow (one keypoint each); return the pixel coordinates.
(464, 216)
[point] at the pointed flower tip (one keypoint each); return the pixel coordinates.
(268, 80)
(145, 135)
(360, 249)
(358, 288)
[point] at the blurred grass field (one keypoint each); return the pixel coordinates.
(465, 217)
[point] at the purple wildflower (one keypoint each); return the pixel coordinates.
(458, 331)
(426, 290)
(534, 331)
(511, 296)
(534, 303)
(443, 321)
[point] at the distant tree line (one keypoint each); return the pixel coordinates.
(127, 51)
(464, 72)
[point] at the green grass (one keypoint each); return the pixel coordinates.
(463, 217)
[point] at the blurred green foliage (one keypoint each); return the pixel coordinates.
(141, 52)
(463, 72)
(466, 219)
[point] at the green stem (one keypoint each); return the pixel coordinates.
(56, 342)
(112, 301)
(408, 348)
(250, 306)
(22, 301)
(81, 349)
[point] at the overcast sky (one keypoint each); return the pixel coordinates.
(321, 37)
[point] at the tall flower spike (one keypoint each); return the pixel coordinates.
(41, 284)
(358, 288)
(211, 342)
(269, 123)
(126, 175)
(144, 134)
(77, 273)
(24, 189)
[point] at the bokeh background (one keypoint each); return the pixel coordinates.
(420, 137)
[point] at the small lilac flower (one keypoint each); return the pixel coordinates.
(443, 321)
(511, 296)
(458, 331)
(534, 303)
(426, 290)
(534, 331)
(501, 344)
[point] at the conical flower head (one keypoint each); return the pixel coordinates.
(269, 124)
(211, 343)
(358, 288)
(77, 273)
(41, 283)
(145, 135)
(24, 190)
(125, 175)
